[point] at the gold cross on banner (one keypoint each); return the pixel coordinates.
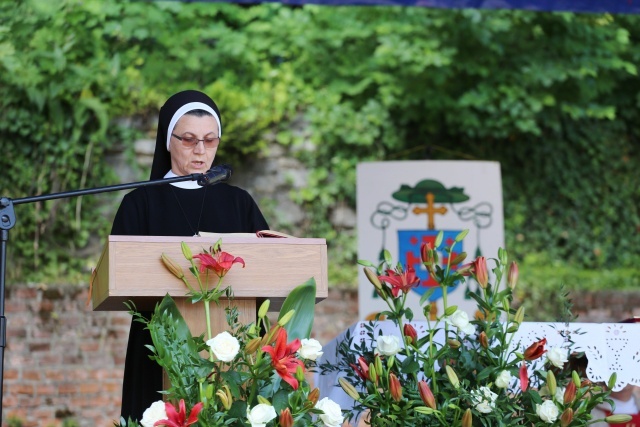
(430, 210)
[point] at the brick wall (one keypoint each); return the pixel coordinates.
(63, 361)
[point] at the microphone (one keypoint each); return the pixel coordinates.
(215, 175)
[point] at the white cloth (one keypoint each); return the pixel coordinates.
(188, 185)
(609, 347)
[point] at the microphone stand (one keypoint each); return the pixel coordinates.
(8, 220)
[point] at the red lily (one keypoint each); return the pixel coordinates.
(177, 418)
(283, 358)
(220, 262)
(535, 350)
(524, 377)
(401, 281)
(362, 369)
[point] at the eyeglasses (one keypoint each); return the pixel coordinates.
(192, 141)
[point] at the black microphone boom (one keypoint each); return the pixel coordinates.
(215, 175)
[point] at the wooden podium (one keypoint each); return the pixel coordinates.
(130, 269)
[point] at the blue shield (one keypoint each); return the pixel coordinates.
(409, 243)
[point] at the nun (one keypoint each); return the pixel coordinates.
(189, 132)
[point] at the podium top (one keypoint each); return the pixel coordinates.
(130, 268)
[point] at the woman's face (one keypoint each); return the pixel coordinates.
(196, 159)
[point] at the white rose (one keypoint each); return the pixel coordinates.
(310, 349)
(559, 394)
(332, 416)
(387, 345)
(260, 415)
(557, 356)
(153, 414)
(225, 346)
(460, 320)
(548, 411)
(484, 399)
(503, 379)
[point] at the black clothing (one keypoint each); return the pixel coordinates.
(160, 211)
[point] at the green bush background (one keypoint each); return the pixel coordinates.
(554, 97)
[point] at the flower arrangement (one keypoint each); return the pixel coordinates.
(250, 375)
(471, 375)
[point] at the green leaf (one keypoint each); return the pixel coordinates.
(167, 307)
(302, 299)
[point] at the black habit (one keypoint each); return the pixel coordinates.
(167, 210)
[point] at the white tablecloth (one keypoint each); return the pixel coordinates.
(609, 347)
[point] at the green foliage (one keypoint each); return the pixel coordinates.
(553, 96)
(302, 300)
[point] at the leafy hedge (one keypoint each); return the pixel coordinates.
(553, 96)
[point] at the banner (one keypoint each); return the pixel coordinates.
(592, 6)
(403, 204)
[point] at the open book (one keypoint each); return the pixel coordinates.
(261, 233)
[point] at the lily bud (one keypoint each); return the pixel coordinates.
(377, 362)
(271, 335)
(512, 275)
(264, 308)
(253, 345)
(569, 393)
(439, 238)
(566, 417)
(373, 278)
(299, 373)
(461, 235)
(612, 381)
(524, 377)
(364, 368)
(227, 390)
(484, 341)
(372, 373)
(467, 418)
(535, 350)
(286, 420)
(513, 328)
(450, 310)
(349, 389)
(186, 251)
(262, 399)
(454, 343)
(502, 256)
(223, 399)
(519, 317)
(410, 333)
(576, 378)
(459, 258)
(284, 319)
(453, 378)
(314, 395)
(466, 269)
(394, 387)
(426, 395)
(172, 266)
(551, 383)
(427, 255)
(208, 392)
(480, 267)
(618, 419)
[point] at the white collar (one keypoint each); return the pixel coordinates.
(187, 185)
